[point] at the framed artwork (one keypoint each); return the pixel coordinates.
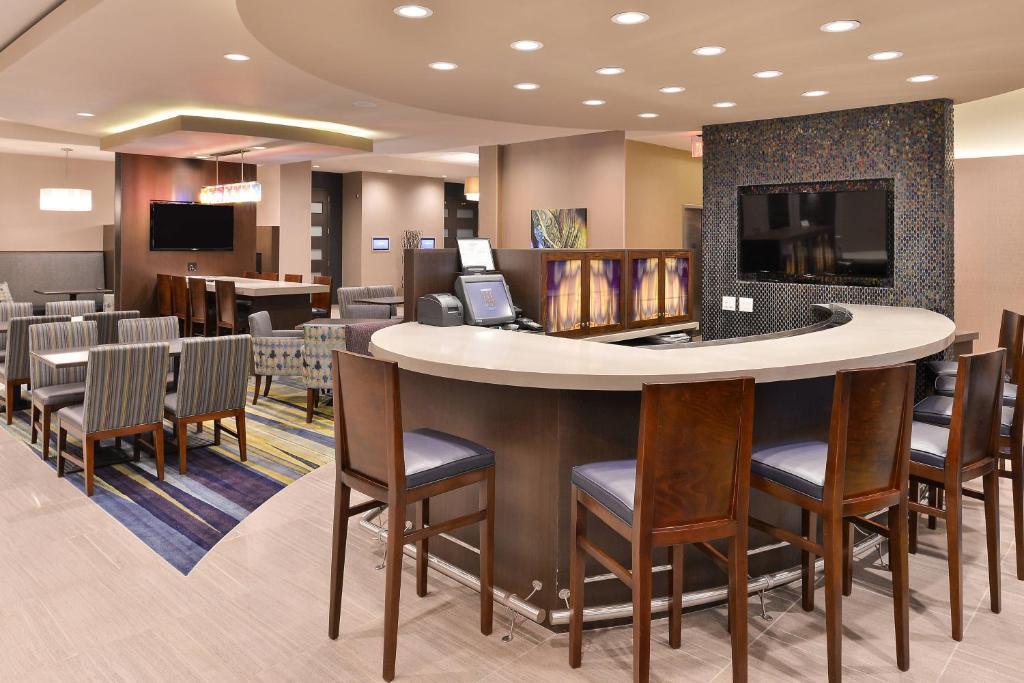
(558, 228)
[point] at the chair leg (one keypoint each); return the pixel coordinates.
(342, 496)
(991, 487)
(117, 442)
(88, 457)
(577, 570)
(915, 495)
(62, 444)
(266, 389)
(393, 584)
(1017, 484)
(832, 536)
(216, 432)
(311, 401)
(422, 546)
(675, 609)
(738, 605)
(182, 447)
(487, 555)
(808, 529)
(954, 551)
(240, 428)
(10, 400)
(642, 578)
(158, 447)
(137, 448)
(933, 500)
(47, 416)
(35, 421)
(256, 393)
(898, 564)
(847, 558)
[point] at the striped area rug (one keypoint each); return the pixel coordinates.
(183, 517)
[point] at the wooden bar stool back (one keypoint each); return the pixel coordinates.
(292, 278)
(689, 484)
(321, 301)
(164, 305)
(179, 302)
(863, 468)
(375, 457)
(268, 276)
(197, 319)
(227, 307)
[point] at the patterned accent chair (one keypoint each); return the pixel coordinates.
(8, 311)
(15, 371)
(124, 396)
(320, 340)
(53, 389)
(357, 336)
(107, 324)
(349, 309)
(212, 380)
(77, 307)
(139, 330)
(274, 352)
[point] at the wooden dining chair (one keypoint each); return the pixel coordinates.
(15, 372)
(8, 310)
(947, 457)
(227, 307)
(179, 302)
(124, 396)
(164, 305)
(53, 389)
(292, 278)
(269, 276)
(321, 301)
(863, 468)
(251, 274)
(688, 485)
(376, 458)
(198, 311)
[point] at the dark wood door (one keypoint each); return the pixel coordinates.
(319, 233)
(461, 216)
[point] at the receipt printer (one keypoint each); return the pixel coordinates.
(439, 310)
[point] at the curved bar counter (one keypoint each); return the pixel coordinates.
(545, 404)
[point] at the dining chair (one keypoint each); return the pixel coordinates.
(863, 468)
(252, 274)
(292, 278)
(53, 388)
(227, 307)
(212, 379)
(124, 396)
(269, 276)
(198, 312)
(275, 352)
(321, 301)
(8, 310)
(318, 343)
(376, 458)
(16, 370)
(1009, 339)
(76, 307)
(164, 304)
(179, 302)
(107, 322)
(140, 330)
(687, 485)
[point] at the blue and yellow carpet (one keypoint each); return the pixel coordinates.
(183, 517)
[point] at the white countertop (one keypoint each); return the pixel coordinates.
(876, 335)
(250, 287)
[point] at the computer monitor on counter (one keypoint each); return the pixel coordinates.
(486, 300)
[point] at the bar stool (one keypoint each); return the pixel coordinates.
(375, 457)
(967, 449)
(164, 307)
(689, 484)
(289, 277)
(198, 314)
(179, 301)
(227, 307)
(863, 468)
(321, 301)
(1009, 338)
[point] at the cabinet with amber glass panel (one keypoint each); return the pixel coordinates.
(582, 292)
(659, 287)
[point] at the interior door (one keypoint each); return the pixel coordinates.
(319, 233)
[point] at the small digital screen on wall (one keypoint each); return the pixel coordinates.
(822, 234)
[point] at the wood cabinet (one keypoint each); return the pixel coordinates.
(582, 292)
(659, 287)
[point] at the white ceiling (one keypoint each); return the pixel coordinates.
(18, 15)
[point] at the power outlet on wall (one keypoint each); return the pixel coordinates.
(193, 266)
(746, 304)
(728, 303)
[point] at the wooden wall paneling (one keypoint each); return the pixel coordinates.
(268, 243)
(428, 271)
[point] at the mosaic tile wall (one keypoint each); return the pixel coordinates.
(911, 143)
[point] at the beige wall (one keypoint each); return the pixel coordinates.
(268, 211)
(989, 243)
(295, 197)
(23, 227)
(659, 182)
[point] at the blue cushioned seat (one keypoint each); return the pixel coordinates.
(612, 484)
(799, 466)
(57, 394)
(938, 410)
(928, 443)
(73, 415)
(945, 385)
(949, 368)
(432, 456)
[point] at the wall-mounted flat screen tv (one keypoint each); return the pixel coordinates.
(184, 226)
(836, 233)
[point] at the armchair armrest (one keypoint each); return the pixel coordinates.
(281, 356)
(288, 334)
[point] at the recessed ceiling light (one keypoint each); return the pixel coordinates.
(648, 115)
(444, 66)
(526, 86)
(315, 166)
(259, 147)
(841, 26)
(611, 70)
(815, 93)
(390, 171)
(885, 56)
(770, 73)
(444, 176)
(671, 89)
(236, 57)
(85, 114)
(527, 45)
(202, 156)
(724, 105)
(413, 11)
(593, 103)
(630, 18)
(364, 104)
(709, 51)
(923, 78)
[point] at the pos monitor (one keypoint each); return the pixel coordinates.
(485, 299)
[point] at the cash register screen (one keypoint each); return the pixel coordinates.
(486, 300)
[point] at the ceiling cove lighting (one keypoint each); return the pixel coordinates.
(244, 116)
(85, 114)
(443, 66)
(413, 11)
(610, 70)
(629, 18)
(724, 105)
(527, 45)
(923, 78)
(236, 57)
(770, 73)
(648, 115)
(473, 188)
(841, 26)
(231, 193)
(885, 56)
(815, 93)
(709, 51)
(65, 198)
(593, 103)
(671, 89)
(526, 86)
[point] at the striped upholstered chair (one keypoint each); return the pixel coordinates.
(275, 352)
(107, 324)
(347, 297)
(15, 371)
(78, 307)
(124, 396)
(52, 389)
(320, 340)
(142, 330)
(10, 310)
(212, 380)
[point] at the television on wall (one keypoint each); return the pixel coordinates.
(185, 226)
(830, 233)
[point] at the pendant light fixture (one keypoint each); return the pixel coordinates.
(473, 188)
(231, 193)
(65, 198)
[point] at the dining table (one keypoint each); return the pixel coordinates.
(391, 301)
(79, 357)
(72, 294)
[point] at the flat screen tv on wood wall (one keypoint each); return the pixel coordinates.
(831, 233)
(185, 226)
